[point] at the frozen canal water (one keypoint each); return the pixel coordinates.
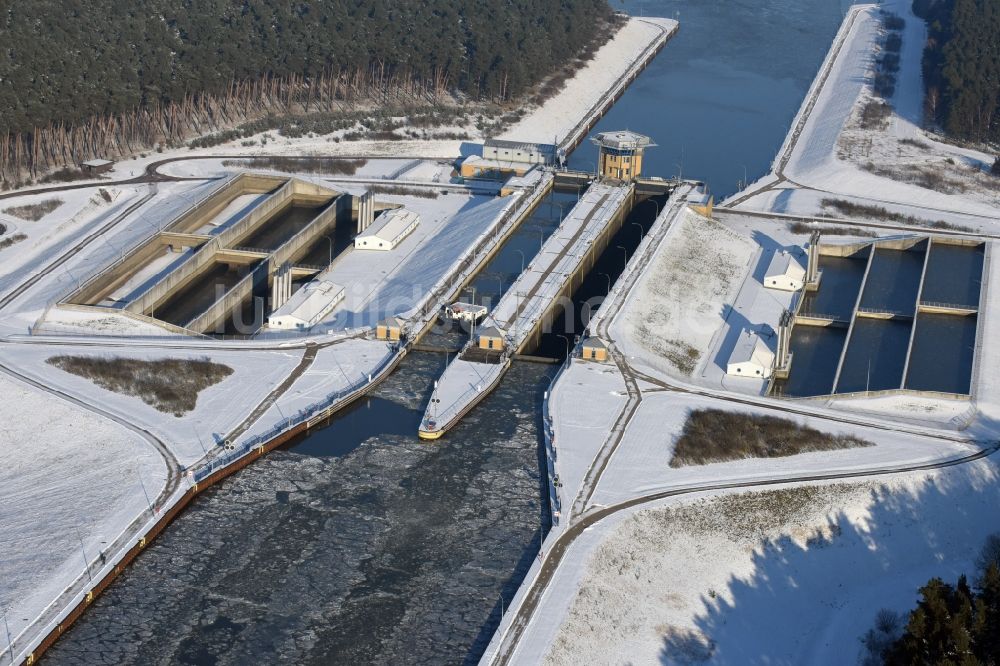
(395, 551)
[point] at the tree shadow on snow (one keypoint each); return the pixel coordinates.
(801, 591)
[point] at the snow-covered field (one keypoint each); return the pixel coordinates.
(641, 464)
(901, 146)
(679, 304)
(785, 576)
(80, 211)
(220, 408)
(380, 284)
(70, 481)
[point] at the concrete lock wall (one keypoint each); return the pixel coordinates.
(114, 276)
(574, 281)
(245, 288)
(176, 232)
(289, 193)
(208, 208)
(190, 269)
(231, 300)
(337, 213)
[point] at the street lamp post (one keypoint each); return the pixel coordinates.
(655, 203)
(609, 282)
(568, 343)
(522, 258)
(330, 241)
(642, 230)
(625, 250)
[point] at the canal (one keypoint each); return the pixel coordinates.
(360, 544)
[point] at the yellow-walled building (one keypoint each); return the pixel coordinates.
(620, 154)
(491, 337)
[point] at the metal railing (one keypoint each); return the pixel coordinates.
(237, 451)
(949, 306)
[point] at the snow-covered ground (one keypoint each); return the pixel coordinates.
(70, 481)
(334, 369)
(220, 408)
(587, 399)
(903, 145)
(380, 284)
(558, 115)
(69, 321)
(830, 155)
(789, 575)
(82, 210)
(641, 464)
(675, 309)
(402, 169)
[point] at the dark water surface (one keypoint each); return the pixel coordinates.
(363, 545)
(721, 96)
(839, 286)
(876, 356)
(894, 281)
(954, 275)
(943, 353)
(816, 353)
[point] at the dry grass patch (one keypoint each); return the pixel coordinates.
(12, 240)
(324, 165)
(170, 385)
(712, 435)
(402, 191)
(36, 211)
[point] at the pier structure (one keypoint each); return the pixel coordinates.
(517, 322)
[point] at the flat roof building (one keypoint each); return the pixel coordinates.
(520, 151)
(307, 307)
(388, 230)
(97, 166)
(785, 273)
(751, 358)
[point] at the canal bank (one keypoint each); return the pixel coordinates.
(150, 632)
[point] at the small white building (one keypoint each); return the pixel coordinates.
(307, 306)
(751, 358)
(522, 152)
(388, 230)
(785, 273)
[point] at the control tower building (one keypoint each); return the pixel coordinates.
(620, 156)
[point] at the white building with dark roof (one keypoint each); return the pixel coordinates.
(307, 307)
(388, 230)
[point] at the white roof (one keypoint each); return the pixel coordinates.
(97, 163)
(784, 264)
(623, 140)
(310, 302)
(699, 195)
(751, 349)
(391, 225)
